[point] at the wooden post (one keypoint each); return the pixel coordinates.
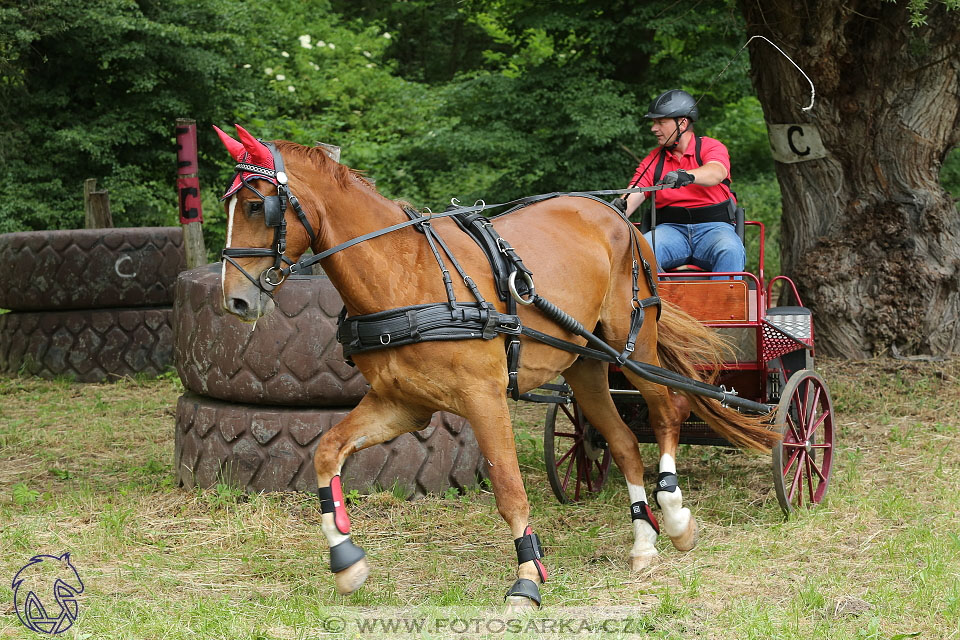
(96, 206)
(188, 190)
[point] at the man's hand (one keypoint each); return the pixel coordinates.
(677, 179)
(620, 204)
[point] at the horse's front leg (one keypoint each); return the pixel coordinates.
(374, 420)
(489, 416)
(677, 521)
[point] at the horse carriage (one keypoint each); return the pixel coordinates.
(573, 288)
(772, 362)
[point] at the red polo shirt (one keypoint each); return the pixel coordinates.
(692, 195)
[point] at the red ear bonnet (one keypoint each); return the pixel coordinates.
(250, 150)
(259, 154)
(233, 146)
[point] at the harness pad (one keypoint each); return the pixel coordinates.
(423, 323)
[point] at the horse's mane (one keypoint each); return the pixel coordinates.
(318, 157)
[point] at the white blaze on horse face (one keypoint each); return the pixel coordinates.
(223, 268)
(644, 537)
(675, 517)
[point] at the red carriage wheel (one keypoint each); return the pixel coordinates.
(802, 461)
(577, 456)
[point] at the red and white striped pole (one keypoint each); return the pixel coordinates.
(188, 193)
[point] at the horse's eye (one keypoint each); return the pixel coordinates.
(256, 207)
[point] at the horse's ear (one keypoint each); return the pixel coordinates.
(259, 154)
(233, 146)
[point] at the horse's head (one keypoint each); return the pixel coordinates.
(259, 246)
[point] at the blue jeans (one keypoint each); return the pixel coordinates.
(713, 246)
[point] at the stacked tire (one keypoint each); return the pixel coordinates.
(89, 304)
(259, 396)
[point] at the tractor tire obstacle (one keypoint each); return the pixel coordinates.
(265, 448)
(259, 398)
(89, 304)
(289, 358)
(90, 268)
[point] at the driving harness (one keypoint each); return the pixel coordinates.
(455, 320)
(450, 320)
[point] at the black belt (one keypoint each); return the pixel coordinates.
(721, 212)
(422, 323)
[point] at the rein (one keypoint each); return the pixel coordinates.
(275, 207)
(301, 264)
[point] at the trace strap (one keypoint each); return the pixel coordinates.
(304, 263)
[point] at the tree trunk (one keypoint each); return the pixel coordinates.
(869, 235)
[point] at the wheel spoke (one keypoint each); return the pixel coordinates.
(566, 475)
(799, 402)
(569, 451)
(813, 428)
(579, 462)
(795, 483)
(793, 428)
(816, 469)
(809, 478)
(813, 410)
(791, 460)
(585, 466)
(564, 434)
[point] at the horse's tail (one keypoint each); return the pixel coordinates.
(682, 344)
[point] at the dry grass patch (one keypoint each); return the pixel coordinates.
(86, 469)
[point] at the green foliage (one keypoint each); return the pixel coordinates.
(950, 173)
(24, 495)
(919, 9)
(92, 89)
(475, 99)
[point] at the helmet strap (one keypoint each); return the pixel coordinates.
(673, 145)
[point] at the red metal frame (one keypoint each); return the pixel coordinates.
(761, 295)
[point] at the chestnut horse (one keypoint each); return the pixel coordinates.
(581, 253)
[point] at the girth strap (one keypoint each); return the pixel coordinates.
(423, 323)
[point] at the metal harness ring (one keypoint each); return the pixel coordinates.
(269, 284)
(512, 285)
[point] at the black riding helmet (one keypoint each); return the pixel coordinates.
(674, 104)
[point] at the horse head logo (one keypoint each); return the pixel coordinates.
(44, 582)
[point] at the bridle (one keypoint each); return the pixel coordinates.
(274, 210)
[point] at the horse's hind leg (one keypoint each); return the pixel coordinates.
(590, 384)
(374, 420)
(667, 411)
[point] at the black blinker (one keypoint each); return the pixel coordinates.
(272, 211)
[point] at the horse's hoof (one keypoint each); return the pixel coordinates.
(688, 539)
(351, 578)
(517, 604)
(641, 562)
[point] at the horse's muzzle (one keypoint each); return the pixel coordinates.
(248, 305)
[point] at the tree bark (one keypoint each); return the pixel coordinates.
(869, 236)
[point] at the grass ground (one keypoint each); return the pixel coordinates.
(87, 469)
